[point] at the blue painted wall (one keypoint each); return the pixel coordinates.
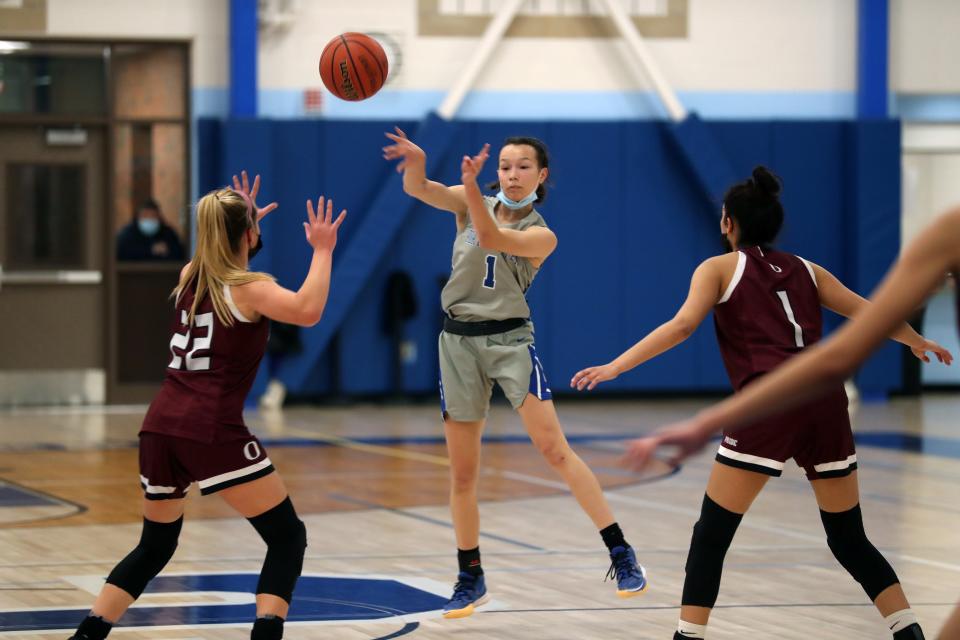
(631, 223)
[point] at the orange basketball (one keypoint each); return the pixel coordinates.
(353, 66)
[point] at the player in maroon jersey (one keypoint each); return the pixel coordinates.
(918, 273)
(194, 429)
(766, 306)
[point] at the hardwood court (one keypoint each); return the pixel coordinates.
(370, 483)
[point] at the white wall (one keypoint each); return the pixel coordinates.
(740, 45)
(924, 46)
(733, 45)
(931, 164)
(786, 52)
(930, 187)
(205, 21)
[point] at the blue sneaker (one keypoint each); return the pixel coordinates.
(469, 593)
(631, 577)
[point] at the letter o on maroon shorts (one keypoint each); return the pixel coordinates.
(168, 464)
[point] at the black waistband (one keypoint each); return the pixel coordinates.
(483, 328)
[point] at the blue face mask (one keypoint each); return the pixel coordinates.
(148, 226)
(516, 204)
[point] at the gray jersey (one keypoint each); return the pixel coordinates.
(486, 284)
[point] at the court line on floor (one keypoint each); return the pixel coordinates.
(801, 486)
(748, 523)
(667, 607)
(900, 468)
(612, 496)
(562, 487)
(604, 442)
(73, 410)
(797, 485)
(941, 446)
(410, 627)
(422, 518)
(320, 557)
(534, 480)
(75, 507)
(366, 447)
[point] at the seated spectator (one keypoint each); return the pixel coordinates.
(148, 236)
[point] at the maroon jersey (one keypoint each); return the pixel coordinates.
(210, 372)
(769, 312)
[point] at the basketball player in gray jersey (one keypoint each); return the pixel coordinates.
(487, 337)
(488, 285)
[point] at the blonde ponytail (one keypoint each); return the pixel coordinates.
(222, 219)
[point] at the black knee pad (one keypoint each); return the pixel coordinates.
(158, 541)
(850, 546)
(712, 536)
(267, 628)
(286, 539)
(913, 632)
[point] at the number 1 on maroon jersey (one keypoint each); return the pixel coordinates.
(797, 330)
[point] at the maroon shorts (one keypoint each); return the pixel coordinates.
(168, 464)
(817, 436)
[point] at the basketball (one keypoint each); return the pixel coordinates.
(353, 66)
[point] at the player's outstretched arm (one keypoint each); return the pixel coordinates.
(413, 164)
(913, 278)
(304, 306)
(837, 297)
(534, 242)
(703, 295)
(243, 186)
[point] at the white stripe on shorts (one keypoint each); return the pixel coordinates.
(541, 377)
(836, 466)
(746, 457)
(233, 475)
(155, 489)
(536, 372)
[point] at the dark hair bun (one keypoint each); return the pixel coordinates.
(766, 181)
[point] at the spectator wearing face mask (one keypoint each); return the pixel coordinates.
(148, 236)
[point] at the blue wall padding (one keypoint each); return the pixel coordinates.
(873, 217)
(632, 223)
(209, 172)
(367, 246)
(708, 161)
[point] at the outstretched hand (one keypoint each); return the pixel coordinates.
(470, 167)
(404, 150)
(590, 377)
(687, 437)
(320, 227)
(942, 354)
(243, 186)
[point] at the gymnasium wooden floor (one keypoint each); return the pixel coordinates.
(371, 484)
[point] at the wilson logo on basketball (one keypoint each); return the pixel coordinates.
(353, 66)
(349, 91)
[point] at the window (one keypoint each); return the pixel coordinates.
(46, 215)
(53, 79)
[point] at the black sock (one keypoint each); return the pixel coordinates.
(269, 627)
(92, 628)
(469, 561)
(613, 537)
(912, 632)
